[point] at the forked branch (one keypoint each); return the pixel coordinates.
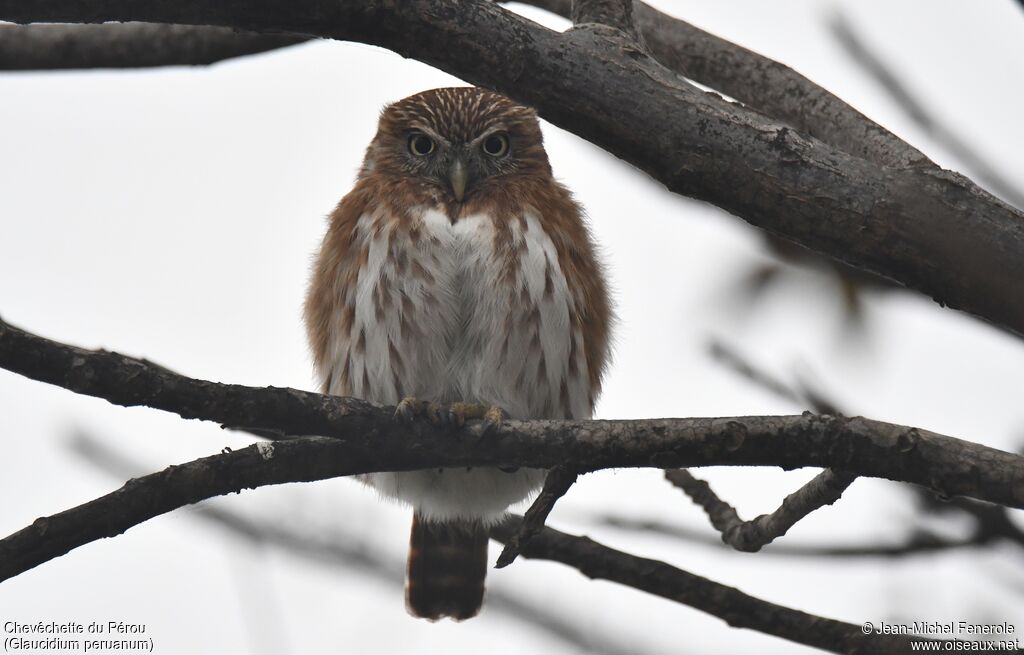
(751, 536)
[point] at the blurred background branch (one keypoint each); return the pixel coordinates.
(923, 113)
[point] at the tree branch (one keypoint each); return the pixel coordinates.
(127, 45)
(357, 555)
(917, 542)
(556, 485)
(365, 438)
(931, 230)
(613, 13)
(302, 460)
(727, 603)
(752, 536)
(766, 85)
(759, 82)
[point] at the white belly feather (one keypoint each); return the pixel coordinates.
(439, 317)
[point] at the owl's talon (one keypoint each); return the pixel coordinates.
(493, 418)
(455, 415)
(435, 413)
(451, 417)
(408, 409)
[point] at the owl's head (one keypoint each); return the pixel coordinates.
(459, 140)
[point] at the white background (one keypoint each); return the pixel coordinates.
(172, 214)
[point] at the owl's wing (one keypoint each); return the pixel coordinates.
(328, 311)
(591, 315)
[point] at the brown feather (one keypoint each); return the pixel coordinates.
(446, 570)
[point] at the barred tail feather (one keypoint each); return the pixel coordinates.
(446, 570)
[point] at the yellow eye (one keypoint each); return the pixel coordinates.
(496, 145)
(421, 145)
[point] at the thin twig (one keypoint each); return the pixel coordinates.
(727, 603)
(801, 394)
(556, 485)
(750, 536)
(921, 112)
(917, 542)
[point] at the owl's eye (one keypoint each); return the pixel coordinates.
(496, 145)
(421, 145)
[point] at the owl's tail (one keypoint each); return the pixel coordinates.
(446, 571)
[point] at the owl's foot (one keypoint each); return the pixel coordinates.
(493, 417)
(411, 408)
(453, 416)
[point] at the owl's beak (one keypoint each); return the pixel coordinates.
(457, 176)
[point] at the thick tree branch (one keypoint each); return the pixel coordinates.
(751, 536)
(801, 395)
(727, 603)
(365, 438)
(556, 485)
(128, 45)
(931, 230)
(763, 84)
(301, 460)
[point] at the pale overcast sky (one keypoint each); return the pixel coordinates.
(172, 214)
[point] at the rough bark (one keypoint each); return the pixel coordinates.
(365, 437)
(931, 230)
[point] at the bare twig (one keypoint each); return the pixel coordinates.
(128, 45)
(727, 603)
(916, 543)
(929, 229)
(556, 485)
(992, 522)
(801, 394)
(365, 438)
(919, 111)
(751, 536)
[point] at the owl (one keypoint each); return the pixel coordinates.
(458, 272)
